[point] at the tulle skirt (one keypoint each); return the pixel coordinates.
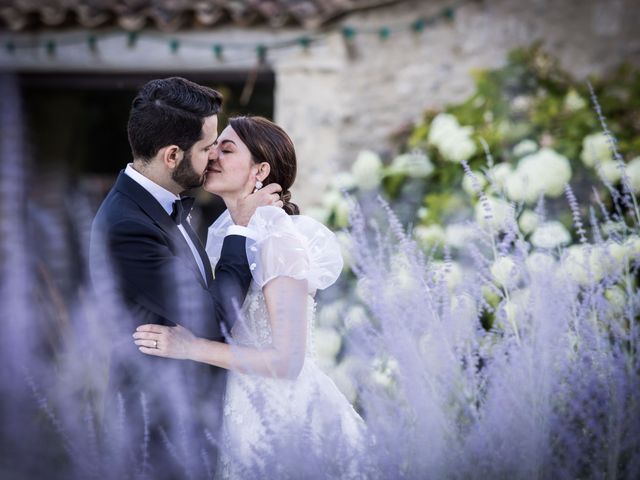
(302, 428)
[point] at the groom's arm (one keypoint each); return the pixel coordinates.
(159, 283)
(232, 277)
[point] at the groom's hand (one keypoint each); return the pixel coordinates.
(250, 201)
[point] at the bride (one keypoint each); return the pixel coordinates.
(283, 417)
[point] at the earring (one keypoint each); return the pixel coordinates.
(258, 185)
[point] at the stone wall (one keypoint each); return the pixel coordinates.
(355, 101)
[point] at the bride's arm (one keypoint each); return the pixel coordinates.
(286, 300)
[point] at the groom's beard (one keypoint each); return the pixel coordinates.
(185, 175)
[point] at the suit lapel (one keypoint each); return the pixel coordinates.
(203, 255)
(154, 210)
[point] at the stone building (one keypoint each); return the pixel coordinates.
(338, 75)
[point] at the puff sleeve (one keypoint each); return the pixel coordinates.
(293, 246)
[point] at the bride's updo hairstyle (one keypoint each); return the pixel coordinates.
(269, 143)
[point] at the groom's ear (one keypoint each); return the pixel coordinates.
(171, 156)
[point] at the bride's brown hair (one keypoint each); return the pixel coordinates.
(267, 142)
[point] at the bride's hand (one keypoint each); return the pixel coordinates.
(250, 200)
(172, 342)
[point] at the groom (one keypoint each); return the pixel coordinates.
(143, 245)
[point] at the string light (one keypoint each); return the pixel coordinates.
(305, 42)
(384, 32)
(132, 39)
(218, 50)
(50, 46)
(418, 25)
(449, 13)
(261, 51)
(92, 42)
(174, 45)
(349, 33)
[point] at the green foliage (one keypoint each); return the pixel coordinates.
(530, 98)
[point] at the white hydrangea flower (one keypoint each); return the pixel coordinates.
(500, 211)
(632, 244)
(453, 141)
(467, 183)
(617, 299)
(499, 174)
(414, 164)
(610, 171)
(327, 343)
(573, 101)
(457, 235)
(515, 187)
(329, 315)
(452, 274)
(490, 295)
(429, 235)
(525, 147)
(341, 210)
(595, 149)
(521, 103)
(363, 290)
(633, 173)
(550, 235)
(458, 147)
(331, 198)
(344, 239)
(318, 213)
(367, 170)
(612, 228)
(544, 172)
(615, 256)
(464, 315)
(528, 221)
(401, 277)
(343, 181)
(619, 253)
(516, 305)
(356, 317)
(464, 305)
(384, 371)
(441, 127)
(342, 376)
(540, 263)
(505, 272)
(584, 262)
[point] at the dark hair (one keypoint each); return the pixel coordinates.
(169, 111)
(269, 143)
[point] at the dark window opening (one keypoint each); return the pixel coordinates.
(76, 126)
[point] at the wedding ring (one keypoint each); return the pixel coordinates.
(156, 344)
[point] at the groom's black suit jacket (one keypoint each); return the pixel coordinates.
(137, 245)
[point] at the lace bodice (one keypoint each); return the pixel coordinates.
(253, 329)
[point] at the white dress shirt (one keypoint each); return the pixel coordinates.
(166, 198)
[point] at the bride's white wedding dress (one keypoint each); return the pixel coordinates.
(280, 428)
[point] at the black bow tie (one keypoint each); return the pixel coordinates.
(181, 209)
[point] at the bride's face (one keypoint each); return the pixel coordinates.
(232, 171)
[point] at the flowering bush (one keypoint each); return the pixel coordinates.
(503, 260)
